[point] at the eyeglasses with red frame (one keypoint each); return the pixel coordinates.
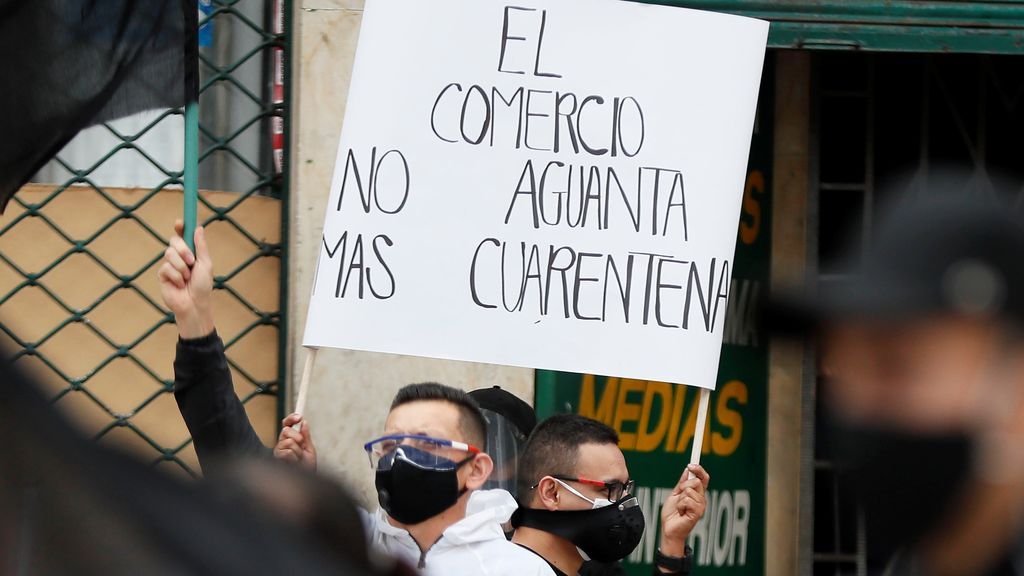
(615, 489)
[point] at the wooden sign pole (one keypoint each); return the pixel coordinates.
(702, 418)
(307, 375)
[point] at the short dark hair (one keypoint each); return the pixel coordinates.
(553, 448)
(471, 419)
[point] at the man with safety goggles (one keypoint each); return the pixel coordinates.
(429, 474)
(428, 468)
(429, 464)
(577, 500)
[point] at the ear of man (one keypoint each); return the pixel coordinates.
(547, 494)
(478, 471)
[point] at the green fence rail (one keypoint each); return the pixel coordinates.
(980, 26)
(240, 77)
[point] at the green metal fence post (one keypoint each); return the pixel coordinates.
(191, 176)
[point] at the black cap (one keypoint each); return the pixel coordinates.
(961, 254)
(517, 412)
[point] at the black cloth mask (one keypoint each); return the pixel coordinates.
(905, 482)
(605, 534)
(411, 492)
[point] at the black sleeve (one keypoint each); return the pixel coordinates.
(206, 399)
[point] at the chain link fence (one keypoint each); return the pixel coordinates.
(79, 248)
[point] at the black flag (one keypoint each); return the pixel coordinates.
(69, 64)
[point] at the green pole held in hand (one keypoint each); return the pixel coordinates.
(191, 175)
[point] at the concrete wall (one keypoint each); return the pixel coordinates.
(350, 391)
(786, 404)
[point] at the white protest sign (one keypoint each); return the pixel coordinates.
(550, 184)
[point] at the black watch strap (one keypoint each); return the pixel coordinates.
(674, 564)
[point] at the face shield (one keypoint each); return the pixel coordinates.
(504, 440)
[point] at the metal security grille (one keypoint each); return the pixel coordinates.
(79, 250)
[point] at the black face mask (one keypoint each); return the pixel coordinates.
(412, 493)
(905, 482)
(605, 534)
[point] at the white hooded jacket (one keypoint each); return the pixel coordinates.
(474, 545)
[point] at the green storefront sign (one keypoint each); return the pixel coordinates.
(656, 421)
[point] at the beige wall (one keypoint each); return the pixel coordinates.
(350, 391)
(789, 255)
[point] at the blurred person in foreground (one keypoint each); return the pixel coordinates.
(430, 464)
(71, 506)
(923, 358)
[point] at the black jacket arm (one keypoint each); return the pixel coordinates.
(207, 401)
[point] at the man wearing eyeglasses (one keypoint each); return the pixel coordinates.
(429, 463)
(577, 501)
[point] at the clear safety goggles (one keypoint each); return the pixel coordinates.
(421, 451)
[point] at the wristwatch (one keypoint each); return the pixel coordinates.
(674, 564)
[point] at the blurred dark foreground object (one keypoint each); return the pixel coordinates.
(69, 506)
(921, 366)
(950, 253)
(70, 64)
